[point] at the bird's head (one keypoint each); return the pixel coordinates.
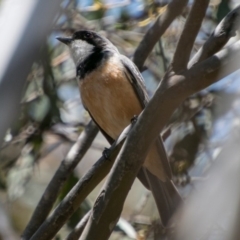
(84, 43)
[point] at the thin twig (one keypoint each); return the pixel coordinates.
(162, 54)
(189, 33)
(174, 9)
(223, 32)
(49, 197)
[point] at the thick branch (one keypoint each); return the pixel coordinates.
(67, 165)
(213, 69)
(79, 192)
(224, 31)
(173, 10)
(189, 33)
(170, 94)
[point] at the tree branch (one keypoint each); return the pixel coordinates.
(212, 69)
(174, 9)
(173, 90)
(79, 192)
(49, 197)
(189, 33)
(223, 32)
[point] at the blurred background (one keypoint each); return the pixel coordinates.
(51, 116)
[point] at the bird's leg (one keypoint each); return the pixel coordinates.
(106, 153)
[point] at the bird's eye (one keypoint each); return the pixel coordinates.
(87, 35)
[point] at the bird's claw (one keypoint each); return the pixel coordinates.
(134, 119)
(106, 153)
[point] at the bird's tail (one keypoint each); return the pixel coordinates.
(165, 194)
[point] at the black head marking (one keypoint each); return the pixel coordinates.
(92, 38)
(95, 39)
(84, 35)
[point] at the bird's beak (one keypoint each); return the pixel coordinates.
(65, 40)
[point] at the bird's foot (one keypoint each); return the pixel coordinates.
(134, 119)
(106, 153)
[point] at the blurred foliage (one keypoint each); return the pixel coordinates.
(51, 105)
(223, 9)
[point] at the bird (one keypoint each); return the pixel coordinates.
(112, 90)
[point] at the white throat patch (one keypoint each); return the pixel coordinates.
(80, 50)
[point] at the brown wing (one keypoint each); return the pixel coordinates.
(136, 79)
(137, 82)
(165, 194)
